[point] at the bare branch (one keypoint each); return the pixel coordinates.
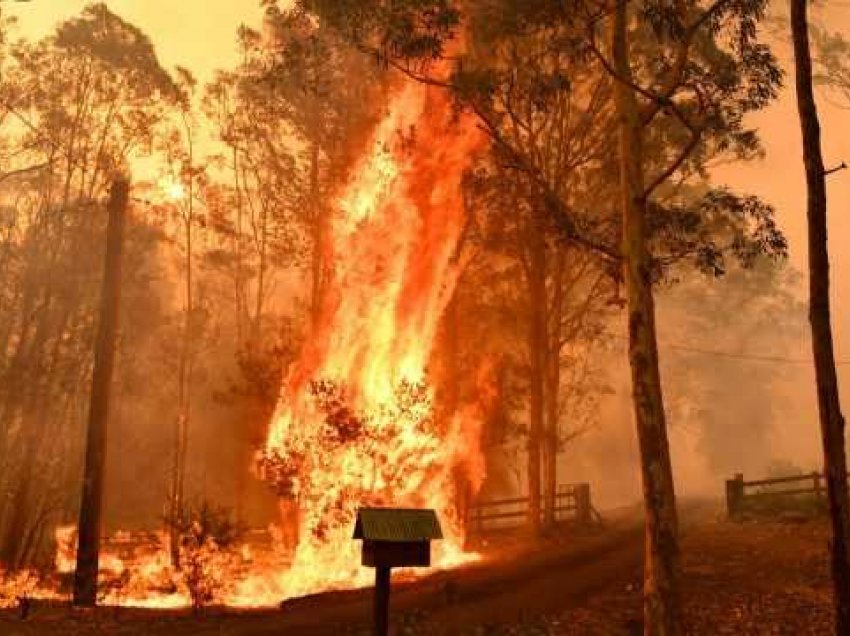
(683, 155)
(841, 166)
(563, 216)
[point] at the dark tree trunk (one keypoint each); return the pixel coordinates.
(91, 504)
(662, 614)
(829, 407)
(186, 364)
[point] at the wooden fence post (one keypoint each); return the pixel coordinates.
(818, 490)
(582, 500)
(734, 495)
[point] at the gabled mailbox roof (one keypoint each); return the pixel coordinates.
(397, 524)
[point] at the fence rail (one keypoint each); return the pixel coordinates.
(739, 492)
(572, 503)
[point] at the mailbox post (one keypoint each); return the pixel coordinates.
(394, 537)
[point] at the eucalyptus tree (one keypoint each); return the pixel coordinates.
(185, 187)
(293, 122)
(556, 298)
(296, 122)
(259, 214)
(832, 422)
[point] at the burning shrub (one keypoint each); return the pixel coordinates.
(207, 538)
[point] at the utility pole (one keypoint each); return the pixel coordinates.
(91, 504)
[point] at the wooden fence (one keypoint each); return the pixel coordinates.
(572, 503)
(740, 494)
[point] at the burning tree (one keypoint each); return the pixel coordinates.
(355, 424)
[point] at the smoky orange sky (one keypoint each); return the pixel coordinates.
(200, 35)
(780, 179)
(197, 34)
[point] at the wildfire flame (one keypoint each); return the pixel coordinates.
(355, 424)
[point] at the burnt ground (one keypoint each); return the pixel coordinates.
(756, 577)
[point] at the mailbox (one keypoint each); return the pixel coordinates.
(394, 538)
(397, 537)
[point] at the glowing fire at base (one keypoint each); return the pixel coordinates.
(356, 424)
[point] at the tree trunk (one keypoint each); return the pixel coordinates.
(662, 615)
(88, 551)
(240, 479)
(537, 323)
(184, 405)
(553, 383)
(239, 284)
(829, 407)
(185, 368)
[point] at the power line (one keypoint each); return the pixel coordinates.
(745, 356)
(735, 355)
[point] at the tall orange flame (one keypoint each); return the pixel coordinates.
(355, 424)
